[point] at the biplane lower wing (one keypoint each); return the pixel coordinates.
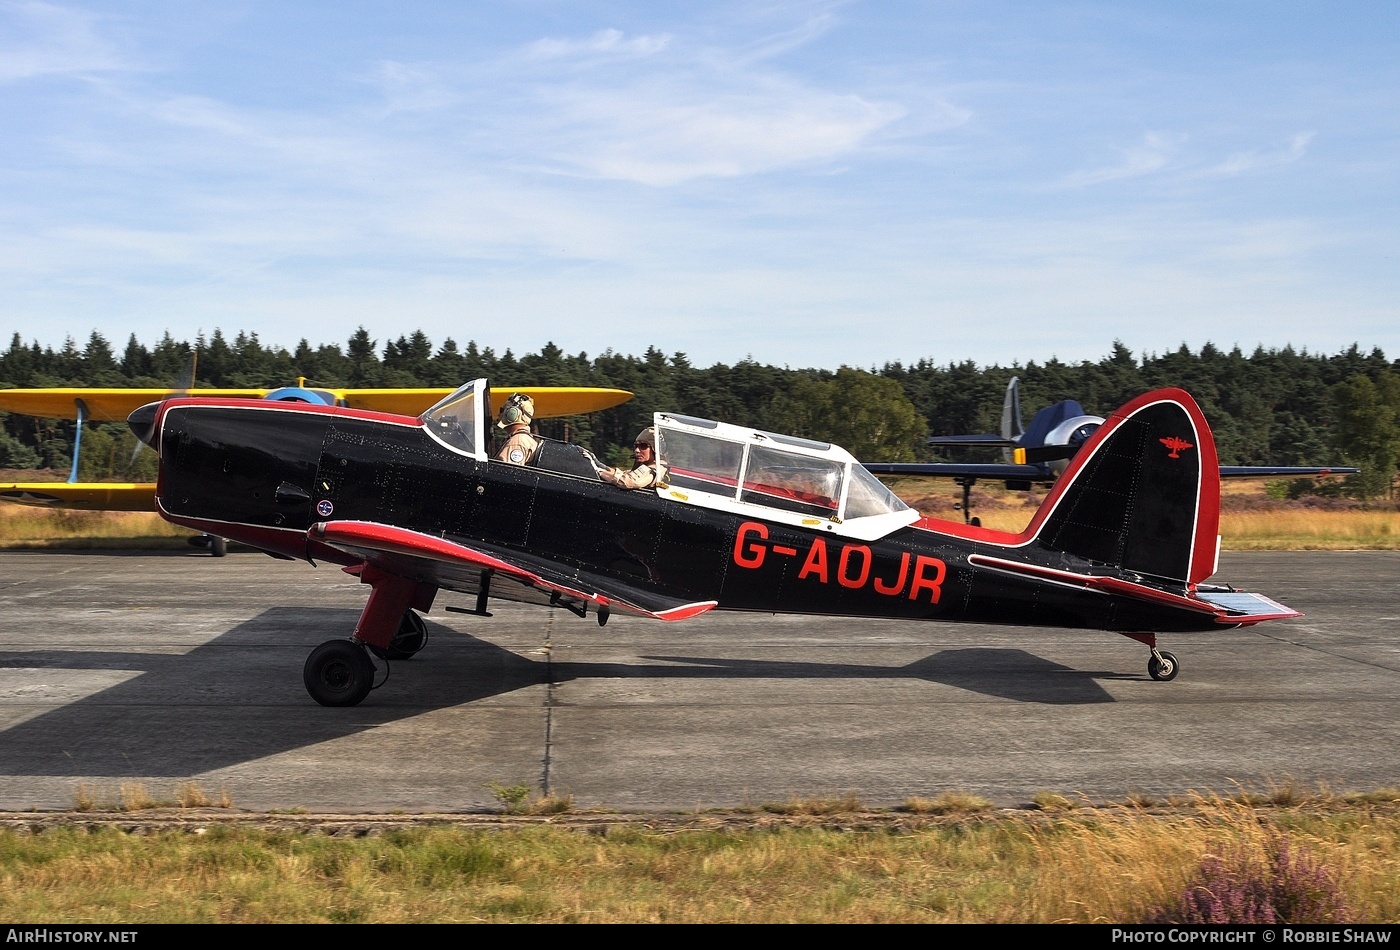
(434, 560)
(84, 496)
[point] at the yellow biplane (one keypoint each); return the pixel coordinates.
(114, 405)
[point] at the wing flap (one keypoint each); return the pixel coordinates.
(458, 566)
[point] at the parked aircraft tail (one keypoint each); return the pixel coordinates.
(1011, 427)
(1143, 493)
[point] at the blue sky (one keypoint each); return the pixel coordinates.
(803, 183)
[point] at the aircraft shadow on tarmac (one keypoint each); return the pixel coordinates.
(239, 697)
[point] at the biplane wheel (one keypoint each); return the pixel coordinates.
(1163, 666)
(411, 637)
(218, 546)
(338, 673)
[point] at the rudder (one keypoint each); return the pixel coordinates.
(1143, 493)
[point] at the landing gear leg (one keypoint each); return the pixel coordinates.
(411, 637)
(340, 672)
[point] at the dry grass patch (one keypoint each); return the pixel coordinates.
(23, 526)
(1111, 864)
(1309, 530)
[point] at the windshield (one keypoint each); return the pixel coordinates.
(457, 420)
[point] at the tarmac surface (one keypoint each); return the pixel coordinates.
(171, 668)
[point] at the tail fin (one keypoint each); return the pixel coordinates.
(1011, 428)
(1142, 494)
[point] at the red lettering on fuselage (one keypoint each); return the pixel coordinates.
(934, 584)
(897, 588)
(843, 573)
(816, 562)
(751, 555)
(855, 565)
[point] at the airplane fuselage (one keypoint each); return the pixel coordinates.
(266, 474)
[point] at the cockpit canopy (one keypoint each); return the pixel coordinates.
(716, 465)
(798, 481)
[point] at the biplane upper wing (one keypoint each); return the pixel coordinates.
(84, 496)
(432, 559)
(550, 401)
(114, 405)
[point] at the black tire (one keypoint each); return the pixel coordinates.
(411, 637)
(338, 673)
(217, 546)
(1164, 669)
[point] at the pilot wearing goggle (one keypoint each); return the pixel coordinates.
(646, 470)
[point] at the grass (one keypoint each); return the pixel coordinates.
(26, 527)
(135, 797)
(1114, 863)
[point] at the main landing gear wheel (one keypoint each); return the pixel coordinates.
(338, 673)
(1162, 665)
(411, 637)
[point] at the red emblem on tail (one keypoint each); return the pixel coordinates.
(1176, 445)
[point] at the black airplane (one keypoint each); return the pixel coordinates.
(741, 520)
(1040, 453)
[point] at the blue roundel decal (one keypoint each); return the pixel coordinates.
(324, 508)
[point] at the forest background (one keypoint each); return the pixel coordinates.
(1273, 406)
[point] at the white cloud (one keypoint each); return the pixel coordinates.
(668, 134)
(604, 44)
(41, 39)
(1252, 161)
(1151, 156)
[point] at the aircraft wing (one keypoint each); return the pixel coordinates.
(114, 405)
(436, 560)
(550, 401)
(103, 405)
(1034, 473)
(992, 470)
(86, 496)
(1281, 471)
(965, 441)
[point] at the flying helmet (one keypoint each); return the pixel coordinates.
(647, 437)
(518, 410)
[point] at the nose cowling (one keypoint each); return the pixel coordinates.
(143, 423)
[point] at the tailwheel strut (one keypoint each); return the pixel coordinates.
(1161, 665)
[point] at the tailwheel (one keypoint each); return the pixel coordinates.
(1162, 665)
(338, 673)
(411, 637)
(218, 546)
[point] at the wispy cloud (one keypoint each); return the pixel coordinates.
(658, 111)
(609, 44)
(41, 39)
(1252, 161)
(1152, 155)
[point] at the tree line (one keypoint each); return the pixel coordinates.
(1272, 406)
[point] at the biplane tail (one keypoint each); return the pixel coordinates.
(1143, 493)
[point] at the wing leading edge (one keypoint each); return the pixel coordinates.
(436, 560)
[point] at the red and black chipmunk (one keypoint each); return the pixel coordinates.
(740, 520)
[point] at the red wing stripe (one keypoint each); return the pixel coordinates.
(392, 540)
